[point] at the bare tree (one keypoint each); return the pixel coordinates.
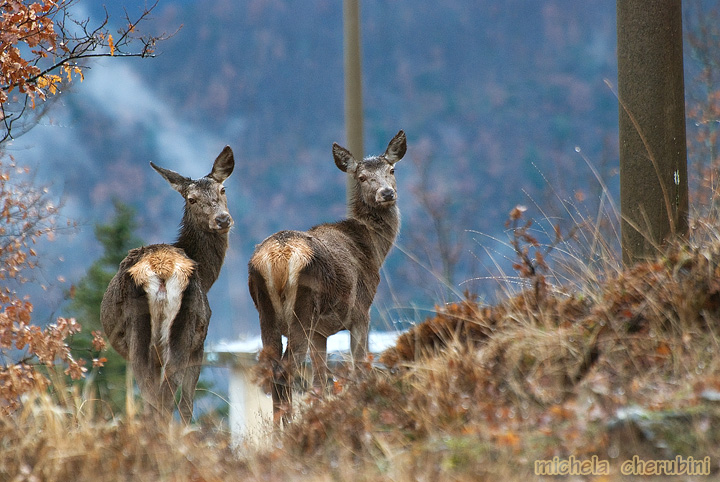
(703, 102)
(437, 204)
(44, 47)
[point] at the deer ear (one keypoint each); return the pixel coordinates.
(397, 148)
(223, 166)
(343, 159)
(177, 181)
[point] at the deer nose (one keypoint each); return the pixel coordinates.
(387, 194)
(223, 221)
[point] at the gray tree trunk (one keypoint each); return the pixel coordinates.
(653, 152)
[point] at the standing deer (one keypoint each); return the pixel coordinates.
(309, 285)
(155, 310)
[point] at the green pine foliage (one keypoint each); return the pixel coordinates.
(117, 238)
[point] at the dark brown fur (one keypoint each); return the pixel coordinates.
(126, 306)
(308, 285)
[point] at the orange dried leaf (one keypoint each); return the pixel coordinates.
(663, 350)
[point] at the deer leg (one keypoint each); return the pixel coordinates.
(280, 382)
(160, 386)
(166, 397)
(148, 383)
(186, 349)
(359, 340)
(156, 391)
(297, 350)
(282, 393)
(188, 382)
(318, 356)
(146, 365)
(280, 389)
(302, 330)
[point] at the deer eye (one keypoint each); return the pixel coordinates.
(392, 170)
(362, 178)
(192, 200)
(222, 191)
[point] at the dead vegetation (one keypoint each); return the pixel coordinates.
(626, 368)
(623, 364)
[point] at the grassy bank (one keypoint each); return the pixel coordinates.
(624, 363)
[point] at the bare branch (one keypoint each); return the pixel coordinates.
(58, 44)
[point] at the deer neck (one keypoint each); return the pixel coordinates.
(206, 248)
(383, 223)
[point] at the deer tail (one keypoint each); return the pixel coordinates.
(280, 262)
(163, 273)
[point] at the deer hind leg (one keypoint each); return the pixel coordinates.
(146, 365)
(158, 393)
(318, 356)
(188, 379)
(272, 350)
(278, 382)
(304, 334)
(281, 394)
(359, 340)
(166, 397)
(296, 353)
(157, 387)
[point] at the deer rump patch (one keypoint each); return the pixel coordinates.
(279, 260)
(163, 272)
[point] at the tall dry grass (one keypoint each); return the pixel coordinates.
(579, 358)
(62, 438)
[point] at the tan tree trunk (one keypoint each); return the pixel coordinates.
(353, 78)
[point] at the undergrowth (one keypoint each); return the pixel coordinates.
(622, 364)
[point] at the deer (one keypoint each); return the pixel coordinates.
(309, 285)
(155, 311)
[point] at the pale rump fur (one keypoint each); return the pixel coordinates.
(308, 285)
(280, 265)
(163, 274)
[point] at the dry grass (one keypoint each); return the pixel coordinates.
(625, 363)
(628, 366)
(50, 441)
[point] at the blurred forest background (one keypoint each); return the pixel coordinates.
(504, 103)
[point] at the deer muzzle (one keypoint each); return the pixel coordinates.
(223, 222)
(386, 195)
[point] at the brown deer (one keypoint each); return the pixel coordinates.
(155, 310)
(309, 285)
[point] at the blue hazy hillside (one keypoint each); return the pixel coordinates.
(494, 97)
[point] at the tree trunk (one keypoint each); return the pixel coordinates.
(653, 152)
(353, 78)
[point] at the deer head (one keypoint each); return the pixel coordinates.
(205, 200)
(374, 176)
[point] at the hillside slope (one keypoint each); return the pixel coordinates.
(624, 372)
